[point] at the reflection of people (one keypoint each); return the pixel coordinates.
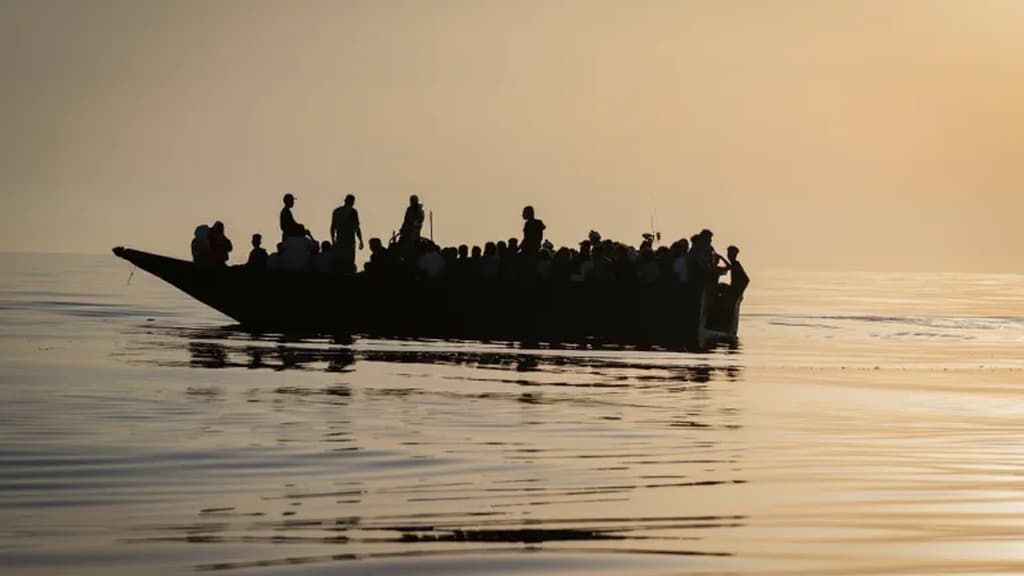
(344, 232)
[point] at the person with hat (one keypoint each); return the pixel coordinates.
(289, 227)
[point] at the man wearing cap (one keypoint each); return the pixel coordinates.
(289, 227)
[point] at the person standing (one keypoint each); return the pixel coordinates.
(738, 279)
(533, 233)
(344, 232)
(411, 225)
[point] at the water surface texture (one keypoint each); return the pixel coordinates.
(865, 424)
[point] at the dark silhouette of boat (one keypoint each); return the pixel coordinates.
(663, 314)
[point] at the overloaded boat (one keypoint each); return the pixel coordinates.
(658, 314)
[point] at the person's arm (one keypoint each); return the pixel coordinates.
(359, 232)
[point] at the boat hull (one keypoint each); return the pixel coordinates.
(291, 302)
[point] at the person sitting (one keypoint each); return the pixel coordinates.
(257, 256)
(430, 262)
(289, 227)
(201, 245)
(380, 258)
(275, 261)
(490, 263)
(647, 267)
(323, 262)
(220, 245)
(296, 252)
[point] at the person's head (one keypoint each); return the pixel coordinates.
(732, 252)
(501, 247)
(490, 249)
(414, 200)
(528, 213)
(289, 200)
(476, 252)
(218, 226)
(706, 235)
(463, 251)
(257, 239)
(376, 245)
(513, 244)
(350, 200)
(325, 246)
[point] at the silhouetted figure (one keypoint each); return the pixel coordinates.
(201, 245)
(344, 231)
(490, 263)
(412, 223)
(323, 262)
(380, 258)
(257, 256)
(647, 271)
(679, 251)
(220, 245)
(430, 262)
(702, 260)
(275, 261)
(738, 279)
(297, 252)
(560, 267)
(289, 227)
(600, 270)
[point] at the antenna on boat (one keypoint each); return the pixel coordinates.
(431, 225)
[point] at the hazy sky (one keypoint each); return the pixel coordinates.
(854, 134)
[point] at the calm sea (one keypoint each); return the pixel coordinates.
(865, 424)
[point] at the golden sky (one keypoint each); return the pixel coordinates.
(874, 134)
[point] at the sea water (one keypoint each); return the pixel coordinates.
(864, 424)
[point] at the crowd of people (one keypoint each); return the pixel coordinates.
(409, 255)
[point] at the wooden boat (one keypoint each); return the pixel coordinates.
(666, 314)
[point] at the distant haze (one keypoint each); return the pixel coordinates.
(885, 134)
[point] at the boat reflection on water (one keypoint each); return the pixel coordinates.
(396, 455)
(231, 348)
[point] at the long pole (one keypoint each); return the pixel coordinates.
(431, 225)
